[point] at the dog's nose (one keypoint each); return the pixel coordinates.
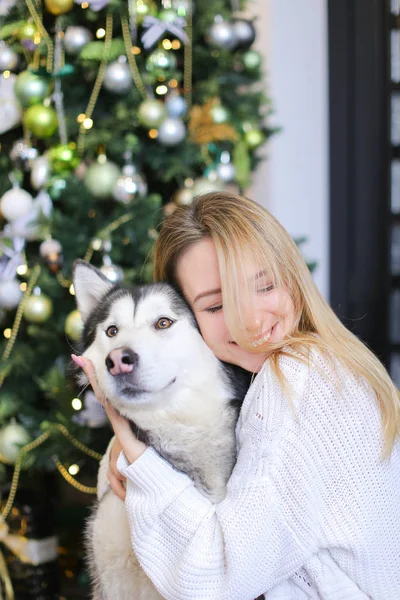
(121, 361)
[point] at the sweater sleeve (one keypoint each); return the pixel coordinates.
(259, 535)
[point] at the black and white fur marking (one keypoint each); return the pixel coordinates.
(154, 367)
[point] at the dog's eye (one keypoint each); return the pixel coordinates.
(163, 323)
(112, 331)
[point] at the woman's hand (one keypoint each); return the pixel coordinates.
(114, 476)
(127, 441)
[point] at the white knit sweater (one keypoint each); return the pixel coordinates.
(311, 510)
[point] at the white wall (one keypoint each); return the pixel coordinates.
(293, 183)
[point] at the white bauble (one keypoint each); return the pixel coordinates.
(10, 294)
(10, 109)
(226, 172)
(75, 38)
(8, 58)
(49, 247)
(118, 77)
(171, 132)
(16, 203)
(203, 185)
(12, 438)
(40, 172)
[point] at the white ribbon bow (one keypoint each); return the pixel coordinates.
(156, 28)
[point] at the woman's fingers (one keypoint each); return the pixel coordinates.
(87, 366)
(116, 484)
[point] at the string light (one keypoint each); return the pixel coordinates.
(23, 286)
(6, 74)
(72, 289)
(153, 133)
(161, 90)
(100, 33)
(176, 45)
(173, 83)
(87, 123)
(22, 269)
(73, 470)
(135, 50)
(167, 44)
(80, 118)
(76, 405)
(85, 5)
(7, 333)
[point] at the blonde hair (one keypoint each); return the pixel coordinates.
(246, 238)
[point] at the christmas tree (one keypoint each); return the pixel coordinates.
(113, 112)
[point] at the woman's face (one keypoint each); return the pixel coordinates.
(273, 317)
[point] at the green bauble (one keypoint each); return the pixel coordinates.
(38, 308)
(100, 179)
(12, 438)
(168, 15)
(41, 120)
(219, 114)
(151, 113)
(251, 60)
(144, 8)
(31, 89)
(74, 325)
(254, 138)
(64, 158)
(160, 61)
(27, 31)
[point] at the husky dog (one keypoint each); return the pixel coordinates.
(156, 370)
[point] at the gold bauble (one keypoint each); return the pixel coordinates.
(74, 325)
(59, 7)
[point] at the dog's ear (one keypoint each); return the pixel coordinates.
(90, 285)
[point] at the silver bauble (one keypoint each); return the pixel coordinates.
(171, 132)
(176, 105)
(118, 77)
(10, 294)
(221, 35)
(226, 172)
(130, 187)
(75, 38)
(8, 58)
(113, 273)
(12, 438)
(244, 33)
(151, 112)
(22, 154)
(40, 172)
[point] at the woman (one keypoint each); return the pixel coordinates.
(312, 508)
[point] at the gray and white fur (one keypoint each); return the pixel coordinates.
(156, 370)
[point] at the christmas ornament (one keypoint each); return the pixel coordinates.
(118, 77)
(176, 105)
(202, 185)
(100, 179)
(160, 62)
(27, 31)
(93, 414)
(41, 120)
(111, 271)
(219, 114)
(203, 129)
(244, 33)
(15, 203)
(40, 172)
(5, 6)
(221, 34)
(10, 109)
(22, 155)
(8, 58)
(251, 60)
(74, 325)
(12, 438)
(226, 170)
(10, 294)
(169, 22)
(151, 113)
(183, 196)
(38, 307)
(130, 186)
(75, 38)
(31, 89)
(59, 7)
(49, 247)
(254, 137)
(171, 132)
(63, 158)
(26, 226)
(144, 8)
(169, 208)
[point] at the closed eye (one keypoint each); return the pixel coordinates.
(266, 289)
(214, 309)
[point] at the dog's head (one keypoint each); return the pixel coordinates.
(142, 341)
